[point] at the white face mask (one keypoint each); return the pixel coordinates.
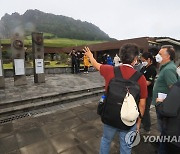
(158, 58)
(145, 63)
(178, 71)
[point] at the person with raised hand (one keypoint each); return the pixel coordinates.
(128, 54)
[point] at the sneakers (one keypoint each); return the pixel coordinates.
(85, 72)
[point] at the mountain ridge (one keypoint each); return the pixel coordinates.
(59, 25)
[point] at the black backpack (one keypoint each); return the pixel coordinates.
(115, 95)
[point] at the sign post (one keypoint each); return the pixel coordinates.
(2, 81)
(18, 55)
(38, 52)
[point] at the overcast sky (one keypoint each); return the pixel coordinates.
(120, 19)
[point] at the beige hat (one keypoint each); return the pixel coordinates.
(129, 110)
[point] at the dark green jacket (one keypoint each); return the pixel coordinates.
(167, 77)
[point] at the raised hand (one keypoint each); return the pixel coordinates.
(88, 52)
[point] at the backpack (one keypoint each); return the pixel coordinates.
(129, 110)
(117, 91)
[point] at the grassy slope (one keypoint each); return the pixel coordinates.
(59, 42)
(56, 42)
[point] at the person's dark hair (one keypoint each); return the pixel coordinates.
(128, 52)
(147, 55)
(170, 51)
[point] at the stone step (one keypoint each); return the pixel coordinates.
(8, 104)
(26, 107)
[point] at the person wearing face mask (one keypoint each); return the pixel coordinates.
(128, 54)
(149, 71)
(167, 77)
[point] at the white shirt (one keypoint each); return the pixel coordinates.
(178, 71)
(116, 61)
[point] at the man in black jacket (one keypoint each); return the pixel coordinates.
(74, 64)
(170, 114)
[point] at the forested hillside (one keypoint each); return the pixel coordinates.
(58, 25)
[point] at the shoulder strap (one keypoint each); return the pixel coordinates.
(135, 76)
(117, 72)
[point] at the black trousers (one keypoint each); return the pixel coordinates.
(172, 149)
(78, 66)
(85, 68)
(146, 121)
(74, 68)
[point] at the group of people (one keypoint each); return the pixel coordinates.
(106, 59)
(150, 90)
(76, 58)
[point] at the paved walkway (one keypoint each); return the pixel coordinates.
(73, 129)
(54, 84)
